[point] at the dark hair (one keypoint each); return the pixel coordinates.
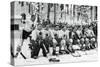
(46, 34)
(32, 15)
(24, 16)
(40, 33)
(33, 18)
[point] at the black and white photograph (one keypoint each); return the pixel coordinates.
(49, 33)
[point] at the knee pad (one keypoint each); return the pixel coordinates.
(71, 40)
(54, 41)
(87, 40)
(78, 40)
(93, 39)
(63, 42)
(82, 39)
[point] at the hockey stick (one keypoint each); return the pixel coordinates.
(19, 48)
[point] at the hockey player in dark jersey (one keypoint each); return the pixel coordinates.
(56, 40)
(38, 38)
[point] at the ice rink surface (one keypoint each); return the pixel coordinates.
(90, 55)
